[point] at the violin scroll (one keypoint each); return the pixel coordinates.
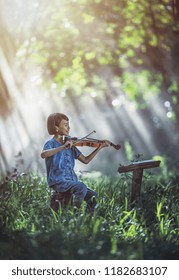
(117, 146)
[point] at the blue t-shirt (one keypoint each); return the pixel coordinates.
(60, 167)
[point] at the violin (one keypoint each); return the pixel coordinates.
(90, 142)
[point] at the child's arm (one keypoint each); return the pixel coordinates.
(53, 151)
(87, 159)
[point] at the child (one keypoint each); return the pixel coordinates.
(60, 160)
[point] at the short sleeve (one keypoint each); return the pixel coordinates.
(76, 152)
(48, 145)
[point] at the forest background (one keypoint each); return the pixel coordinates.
(111, 66)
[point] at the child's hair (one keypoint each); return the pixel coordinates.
(54, 120)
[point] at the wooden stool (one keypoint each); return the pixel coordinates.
(59, 198)
(137, 169)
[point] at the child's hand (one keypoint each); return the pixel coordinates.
(68, 144)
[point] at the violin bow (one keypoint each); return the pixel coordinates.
(79, 140)
(94, 131)
(84, 137)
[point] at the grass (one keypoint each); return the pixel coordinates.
(30, 229)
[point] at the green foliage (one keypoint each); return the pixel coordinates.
(140, 86)
(129, 151)
(75, 41)
(116, 230)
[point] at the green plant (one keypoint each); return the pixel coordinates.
(117, 229)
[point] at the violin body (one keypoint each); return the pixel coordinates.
(90, 142)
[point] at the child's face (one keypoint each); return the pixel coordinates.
(64, 128)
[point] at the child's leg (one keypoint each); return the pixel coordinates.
(91, 199)
(79, 190)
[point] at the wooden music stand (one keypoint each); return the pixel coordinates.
(137, 169)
